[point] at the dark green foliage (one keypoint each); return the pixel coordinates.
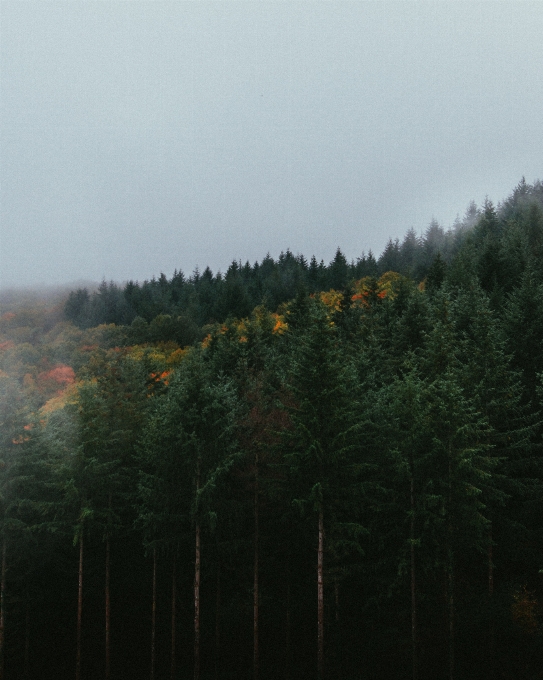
(436, 274)
(406, 419)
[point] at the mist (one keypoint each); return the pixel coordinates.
(144, 137)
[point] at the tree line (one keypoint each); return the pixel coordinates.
(347, 486)
(178, 308)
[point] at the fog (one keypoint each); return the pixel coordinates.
(143, 137)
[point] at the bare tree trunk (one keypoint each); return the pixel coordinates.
(3, 606)
(255, 587)
(320, 599)
(197, 564)
(26, 674)
(174, 616)
(218, 621)
(414, 635)
(79, 609)
(450, 575)
(492, 632)
(287, 627)
(490, 564)
(153, 618)
(197, 603)
(451, 620)
(336, 600)
(108, 608)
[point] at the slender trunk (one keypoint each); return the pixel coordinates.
(153, 618)
(320, 599)
(414, 636)
(338, 639)
(450, 574)
(3, 606)
(197, 604)
(197, 558)
(490, 564)
(174, 616)
(218, 621)
(26, 674)
(492, 632)
(451, 619)
(287, 628)
(79, 609)
(108, 608)
(255, 587)
(107, 592)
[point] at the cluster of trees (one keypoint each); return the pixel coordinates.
(184, 305)
(350, 486)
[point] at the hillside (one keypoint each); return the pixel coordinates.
(294, 469)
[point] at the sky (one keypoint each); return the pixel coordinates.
(144, 137)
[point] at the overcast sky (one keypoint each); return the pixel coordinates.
(143, 137)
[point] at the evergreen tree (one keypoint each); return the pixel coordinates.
(320, 447)
(188, 439)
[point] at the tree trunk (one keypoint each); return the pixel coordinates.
(197, 562)
(79, 610)
(26, 673)
(108, 608)
(255, 586)
(218, 621)
(450, 574)
(490, 564)
(451, 618)
(492, 632)
(174, 613)
(287, 627)
(153, 618)
(197, 603)
(414, 636)
(3, 606)
(320, 599)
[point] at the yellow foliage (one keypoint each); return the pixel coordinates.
(387, 286)
(67, 396)
(176, 357)
(331, 299)
(280, 325)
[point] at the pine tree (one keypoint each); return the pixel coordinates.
(187, 445)
(319, 450)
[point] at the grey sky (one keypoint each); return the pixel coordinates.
(140, 137)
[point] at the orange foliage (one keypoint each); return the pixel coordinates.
(385, 287)
(332, 299)
(54, 381)
(280, 324)
(7, 344)
(157, 379)
(61, 374)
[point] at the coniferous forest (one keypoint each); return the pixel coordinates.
(290, 470)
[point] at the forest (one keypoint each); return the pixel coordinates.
(292, 469)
